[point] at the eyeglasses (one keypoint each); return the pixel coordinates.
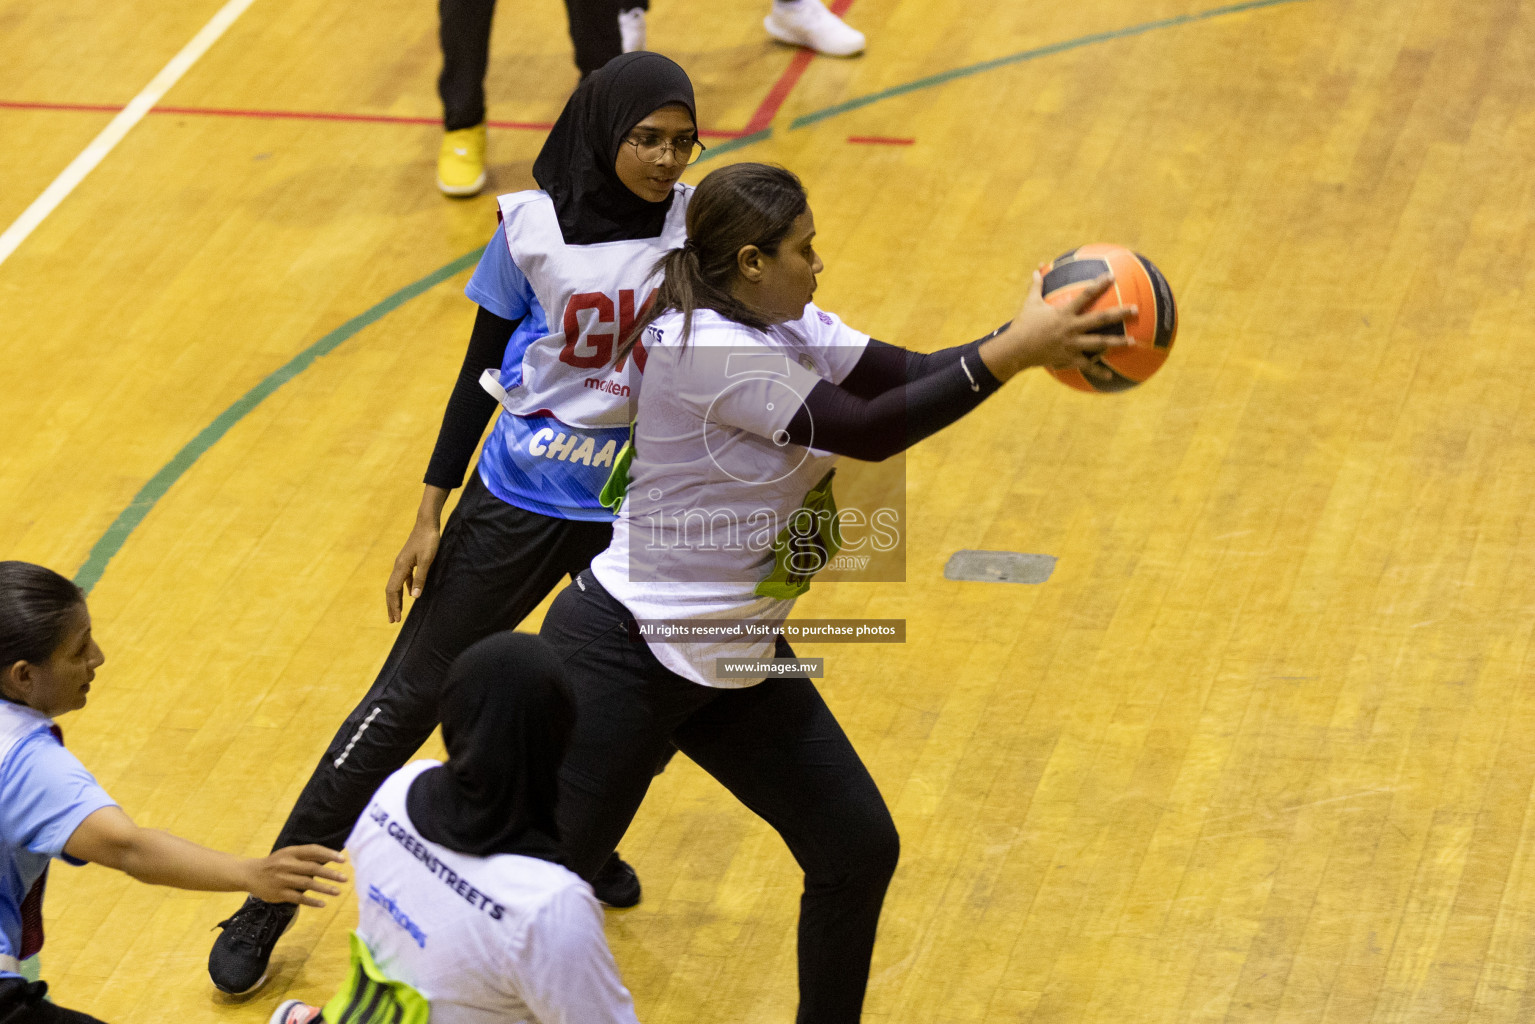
(652, 148)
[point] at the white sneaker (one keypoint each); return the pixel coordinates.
(809, 23)
(631, 26)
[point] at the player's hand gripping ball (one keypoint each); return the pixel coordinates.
(1136, 283)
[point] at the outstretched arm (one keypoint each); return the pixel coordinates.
(884, 366)
(110, 838)
(837, 419)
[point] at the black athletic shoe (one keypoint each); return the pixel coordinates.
(616, 884)
(237, 964)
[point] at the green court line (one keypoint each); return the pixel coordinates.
(128, 520)
(732, 144)
(117, 534)
(1027, 55)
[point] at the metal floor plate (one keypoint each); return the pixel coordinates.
(999, 567)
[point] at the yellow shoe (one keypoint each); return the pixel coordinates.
(461, 162)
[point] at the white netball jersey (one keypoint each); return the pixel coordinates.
(568, 397)
(19, 722)
(503, 939)
(715, 479)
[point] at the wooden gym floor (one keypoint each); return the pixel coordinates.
(1262, 749)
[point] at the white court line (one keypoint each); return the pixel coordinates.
(120, 125)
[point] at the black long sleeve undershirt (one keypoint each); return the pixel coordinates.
(874, 426)
(469, 406)
(883, 366)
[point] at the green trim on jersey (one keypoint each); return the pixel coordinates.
(617, 486)
(368, 997)
(805, 546)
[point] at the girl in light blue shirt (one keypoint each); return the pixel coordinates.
(51, 806)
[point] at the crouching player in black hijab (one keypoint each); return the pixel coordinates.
(466, 910)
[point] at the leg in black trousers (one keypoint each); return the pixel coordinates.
(463, 27)
(627, 706)
(495, 564)
(594, 30)
(779, 750)
(775, 746)
(23, 1002)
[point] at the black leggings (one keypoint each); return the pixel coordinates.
(464, 29)
(495, 563)
(23, 1002)
(774, 745)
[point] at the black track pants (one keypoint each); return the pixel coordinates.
(23, 1002)
(464, 29)
(774, 745)
(495, 564)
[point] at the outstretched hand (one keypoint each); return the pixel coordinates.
(289, 874)
(1057, 336)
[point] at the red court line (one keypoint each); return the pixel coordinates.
(780, 91)
(879, 140)
(305, 115)
(787, 81)
(94, 108)
(299, 115)
(761, 119)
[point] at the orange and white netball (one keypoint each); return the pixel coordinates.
(1137, 282)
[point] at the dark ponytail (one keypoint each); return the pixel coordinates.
(34, 612)
(733, 207)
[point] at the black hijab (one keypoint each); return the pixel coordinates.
(576, 164)
(506, 718)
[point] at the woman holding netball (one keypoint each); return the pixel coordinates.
(51, 806)
(751, 393)
(562, 281)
